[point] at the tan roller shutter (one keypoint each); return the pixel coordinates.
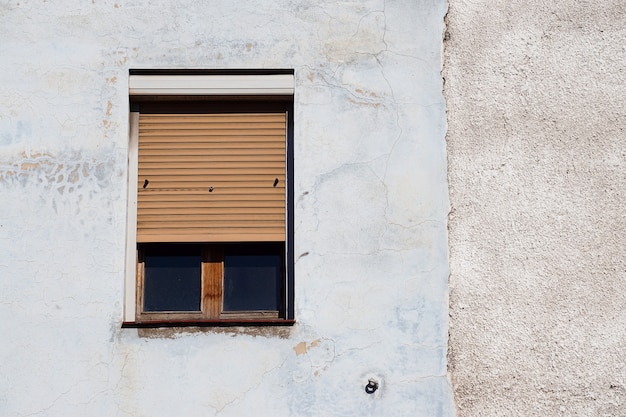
(211, 177)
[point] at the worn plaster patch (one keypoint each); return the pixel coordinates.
(47, 169)
(302, 347)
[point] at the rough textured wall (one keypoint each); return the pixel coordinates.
(371, 211)
(535, 96)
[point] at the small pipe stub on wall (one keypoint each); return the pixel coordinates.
(372, 386)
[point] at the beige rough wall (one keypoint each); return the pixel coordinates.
(536, 99)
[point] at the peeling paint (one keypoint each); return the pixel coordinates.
(29, 165)
(300, 348)
(46, 169)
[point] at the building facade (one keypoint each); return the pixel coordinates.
(450, 207)
(370, 250)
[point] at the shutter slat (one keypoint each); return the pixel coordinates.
(236, 156)
(224, 189)
(196, 183)
(207, 147)
(204, 126)
(201, 195)
(211, 210)
(215, 118)
(190, 157)
(213, 235)
(273, 220)
(221, 184)
(208, 134)
(206, 165)
(216, 139)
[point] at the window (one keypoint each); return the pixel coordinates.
(210, 194)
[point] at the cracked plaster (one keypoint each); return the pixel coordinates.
(371, 205)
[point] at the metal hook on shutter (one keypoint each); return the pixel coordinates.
(275, 182)
(210, 189)
(145, 183)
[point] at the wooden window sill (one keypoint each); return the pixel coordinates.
(208, 323)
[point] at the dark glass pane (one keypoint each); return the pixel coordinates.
(172, 280)
(252, 278)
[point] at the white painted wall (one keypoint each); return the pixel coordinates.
(537, 154)
(371, 210)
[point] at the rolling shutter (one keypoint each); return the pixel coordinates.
(211, 177)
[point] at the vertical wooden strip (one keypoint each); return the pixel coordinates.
(212, 281)
(140, 271)
(207, 291)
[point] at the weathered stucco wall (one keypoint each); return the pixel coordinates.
(537, 159)
(371, 211)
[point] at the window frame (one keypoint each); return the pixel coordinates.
(134, 316)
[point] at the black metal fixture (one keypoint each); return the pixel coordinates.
(372, 386)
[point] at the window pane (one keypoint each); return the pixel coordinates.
(252, 278)
(172, 280)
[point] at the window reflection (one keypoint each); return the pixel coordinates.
(172, 280)
(252, 278)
